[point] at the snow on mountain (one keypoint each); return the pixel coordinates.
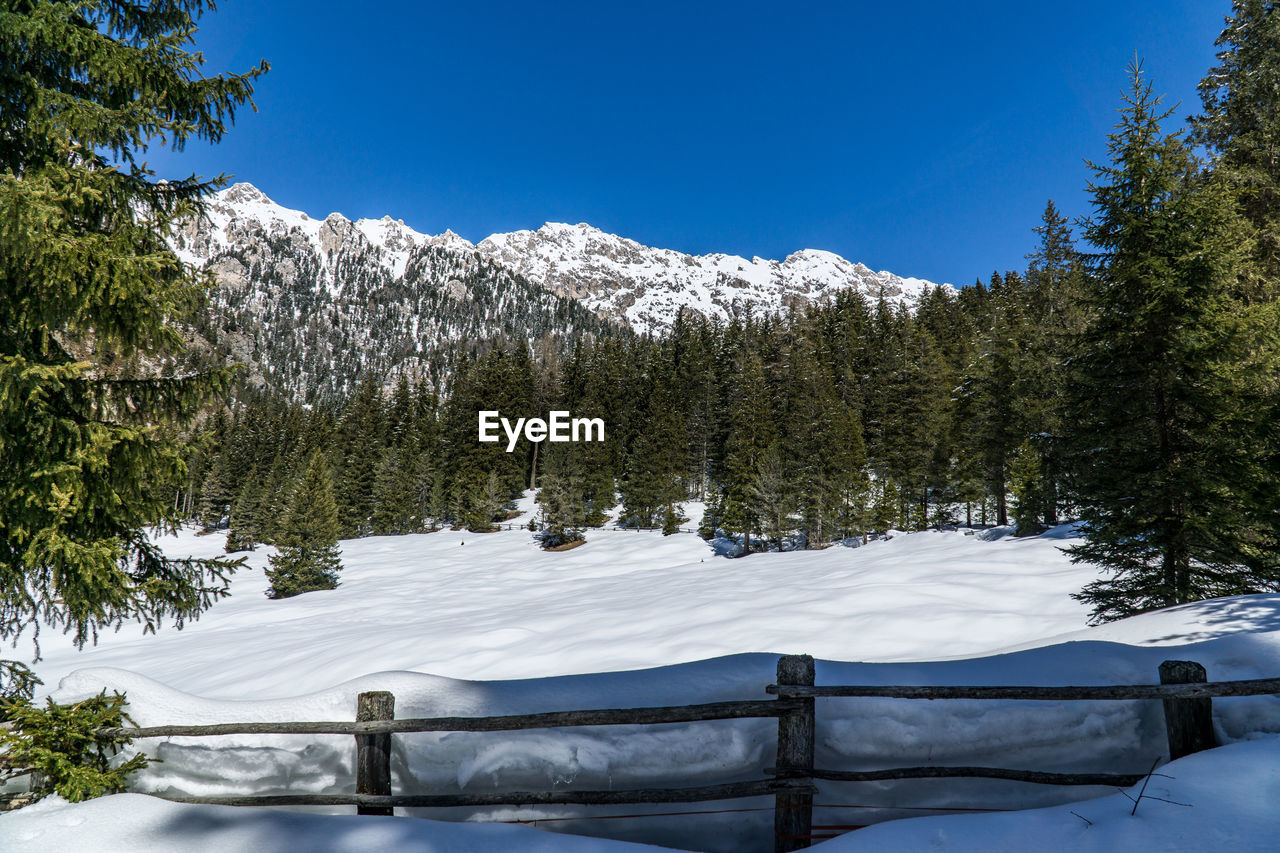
(242, 212)
(315, 305)
(615, 277)
(618, 277)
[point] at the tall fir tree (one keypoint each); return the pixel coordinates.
(563, 516)
(1240, 126)
(752, 432)
(361, 432)
(1054, 318)
(94, 386)
(1168, 415)
(655, 466)
(307, 557)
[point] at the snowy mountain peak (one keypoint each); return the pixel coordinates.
(450, 240)
(614, 276)
(647, 287)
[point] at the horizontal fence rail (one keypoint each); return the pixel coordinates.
(1252, 687)
(705, 793)
(554, 719)
(1185, 692)
(1122, 780)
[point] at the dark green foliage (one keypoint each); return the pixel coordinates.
(486, 501)
(17, 681)
(246, 523)
(61, 747)
(1241, 127)
(670, 521)
(562, 513)
(1033, 502)
(396, 508)
(752, 433)
(307, 558)
(773, 496)
(361, 439)
(94, 381)
(655, 467)
(1169, 425)
(712, 517)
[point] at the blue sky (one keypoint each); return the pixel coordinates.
(919, 137)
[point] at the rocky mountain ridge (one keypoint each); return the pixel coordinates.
(646, 286)
(313, 305)
(616, 277)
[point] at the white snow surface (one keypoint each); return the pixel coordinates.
(612, 275)
(139, 824)
(1222, 799)
(633, 619)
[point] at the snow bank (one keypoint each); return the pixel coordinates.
(495, 605)
(852, 734)
(147, 825)
(987, 609)
(1223, 799)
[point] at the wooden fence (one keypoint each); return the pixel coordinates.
(1184, 690)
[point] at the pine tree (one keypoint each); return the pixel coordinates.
(1052, 311)
(752, 432)
(395, 503)
(562, 513)
(485, 501)
(243, 532)
(990, 391)
(1032, 498)
(836, 482)
(670, 520)
(1241, 128)
(93, 383)
(1169, 417)
(773, 497)
(655, 465)
(361, 433)
(307, 557)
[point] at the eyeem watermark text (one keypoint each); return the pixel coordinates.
(560, 427)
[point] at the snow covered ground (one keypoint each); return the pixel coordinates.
(634, 619)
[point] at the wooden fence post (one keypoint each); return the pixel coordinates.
(1188, 722)
(793, 811)
(373, 752)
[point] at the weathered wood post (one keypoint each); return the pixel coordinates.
(1188, 722)
(373, 752)
(793, 811)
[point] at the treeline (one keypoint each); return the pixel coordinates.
(797, 430)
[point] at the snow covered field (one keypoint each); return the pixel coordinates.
(634, 619)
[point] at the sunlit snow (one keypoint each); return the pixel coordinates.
(446, 620)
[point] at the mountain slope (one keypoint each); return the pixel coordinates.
(313, 305)
(647, 287)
